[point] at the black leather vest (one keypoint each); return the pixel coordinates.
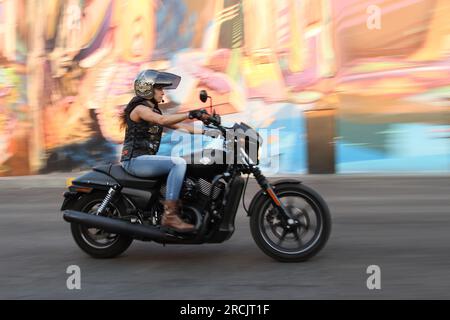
(141, 138)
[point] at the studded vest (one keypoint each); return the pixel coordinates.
(141, 138)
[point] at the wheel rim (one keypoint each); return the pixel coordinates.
(300, 238)
(98, 238)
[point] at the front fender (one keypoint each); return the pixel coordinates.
(261, 193)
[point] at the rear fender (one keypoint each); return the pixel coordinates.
(86, 184)
(70, 198)
(96, 180)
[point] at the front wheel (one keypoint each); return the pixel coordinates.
(295, 244)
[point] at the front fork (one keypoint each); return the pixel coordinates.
(287, 219)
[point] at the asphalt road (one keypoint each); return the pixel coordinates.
(401, 224)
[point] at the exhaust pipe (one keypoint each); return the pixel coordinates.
(117, 226)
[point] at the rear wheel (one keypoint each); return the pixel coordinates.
(291, 244)
(96, 242)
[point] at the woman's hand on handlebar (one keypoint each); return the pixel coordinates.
(201, 115)
(204, 117)
(198, 114)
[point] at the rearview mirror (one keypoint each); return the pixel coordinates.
(203, 96)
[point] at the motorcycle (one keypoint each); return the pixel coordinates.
(108, 208)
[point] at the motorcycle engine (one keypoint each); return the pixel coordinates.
(194, 191)
(205, 188)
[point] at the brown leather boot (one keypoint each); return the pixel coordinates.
(171, 219)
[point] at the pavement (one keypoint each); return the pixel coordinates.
(399, 223)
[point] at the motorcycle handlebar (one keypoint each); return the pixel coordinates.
(212, 120)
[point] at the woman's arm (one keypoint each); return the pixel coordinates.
(187, 127)
(163, 120)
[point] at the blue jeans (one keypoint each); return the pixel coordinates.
(153, 166)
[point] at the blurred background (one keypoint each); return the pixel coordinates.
(341, 86)
(351, 85)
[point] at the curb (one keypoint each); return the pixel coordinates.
(58, 180)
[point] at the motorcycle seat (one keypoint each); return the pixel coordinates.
(127, 180)
(103, 168)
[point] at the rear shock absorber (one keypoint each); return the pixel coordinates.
(109, 197)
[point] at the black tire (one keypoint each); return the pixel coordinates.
(312, 247)
(81, 234)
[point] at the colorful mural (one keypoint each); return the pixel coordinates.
(383, 66)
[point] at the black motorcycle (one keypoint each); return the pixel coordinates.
(108, 208)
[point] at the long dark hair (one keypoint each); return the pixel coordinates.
(125, 111)
(133, 102)
(123, 118)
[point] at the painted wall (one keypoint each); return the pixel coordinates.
(67, 67)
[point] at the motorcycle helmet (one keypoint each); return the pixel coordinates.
(147, 80)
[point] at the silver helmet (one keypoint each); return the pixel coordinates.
(146, 81)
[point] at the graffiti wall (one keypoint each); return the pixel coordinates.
(382, 66)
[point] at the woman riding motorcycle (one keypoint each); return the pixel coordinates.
(144, 124)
